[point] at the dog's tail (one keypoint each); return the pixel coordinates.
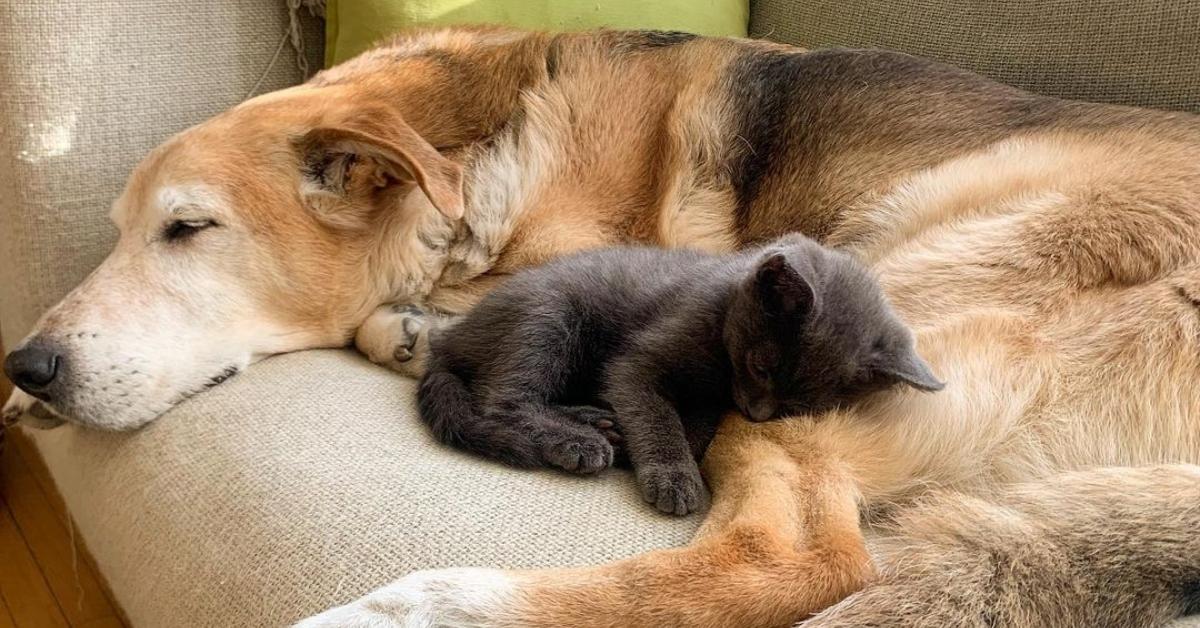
(447, 406)
(1109, 547)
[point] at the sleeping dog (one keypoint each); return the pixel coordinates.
(1046, 252)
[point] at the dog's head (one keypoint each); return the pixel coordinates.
(255, 233)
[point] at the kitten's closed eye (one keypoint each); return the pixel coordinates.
(760, 363)
(760, 371)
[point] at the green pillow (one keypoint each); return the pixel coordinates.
(352, 26)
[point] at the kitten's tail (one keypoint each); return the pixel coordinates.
(447, 406)
(1108, 547)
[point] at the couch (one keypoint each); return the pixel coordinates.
(307, 480)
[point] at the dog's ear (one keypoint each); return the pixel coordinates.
(375, 147)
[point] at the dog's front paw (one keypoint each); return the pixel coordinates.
(442, 598)
(579, 449)
(673, 488)
(396, 336)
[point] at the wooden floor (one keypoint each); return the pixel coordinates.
(46, 577)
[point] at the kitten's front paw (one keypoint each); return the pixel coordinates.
(396, 336)
(673, 489)
(581, 450)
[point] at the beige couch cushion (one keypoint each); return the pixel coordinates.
(307, 481)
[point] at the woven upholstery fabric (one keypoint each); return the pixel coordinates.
(307, 481)
(1140, 52)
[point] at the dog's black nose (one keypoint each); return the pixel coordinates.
(33, 368)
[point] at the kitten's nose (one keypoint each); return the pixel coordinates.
(762, 410)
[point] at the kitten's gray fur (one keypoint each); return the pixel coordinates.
(661, 344)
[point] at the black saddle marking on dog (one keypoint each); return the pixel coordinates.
(764, 88)
(634, 41)
(1189, 595)
(797, 110)
(552, 53)
(660, 39)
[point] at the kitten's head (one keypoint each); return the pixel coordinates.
(809, 330)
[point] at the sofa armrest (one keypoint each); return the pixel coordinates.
(86, 89)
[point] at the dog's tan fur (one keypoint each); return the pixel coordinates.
(1046, 252)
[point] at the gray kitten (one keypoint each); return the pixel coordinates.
(651, 347)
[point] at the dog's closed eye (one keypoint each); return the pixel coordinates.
(178, 230)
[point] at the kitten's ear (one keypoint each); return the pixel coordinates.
(782, 288)
(907, 367)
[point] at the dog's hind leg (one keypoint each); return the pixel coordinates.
(782, 541)
(1112, 547)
